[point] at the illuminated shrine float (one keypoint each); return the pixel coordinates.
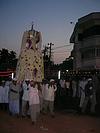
(30, 61)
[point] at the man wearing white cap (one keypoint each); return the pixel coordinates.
(25, 97)
(49, 97)
(14, 94)
(34, 102)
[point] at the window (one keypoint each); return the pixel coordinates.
(98, 52)
(89, 53)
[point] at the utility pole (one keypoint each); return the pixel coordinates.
(50, 46)
(45, 52)
(46, 61)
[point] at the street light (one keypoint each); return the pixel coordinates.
(66, 70)
(12, 75)
(72, 23)
(59, 74)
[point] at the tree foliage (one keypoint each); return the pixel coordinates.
(8, 60)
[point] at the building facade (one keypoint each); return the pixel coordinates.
(86, 39)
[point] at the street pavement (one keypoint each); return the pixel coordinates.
(64, 122)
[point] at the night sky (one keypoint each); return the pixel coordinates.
(51, 17)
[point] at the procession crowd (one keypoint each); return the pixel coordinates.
(30, 98)
(82, 94)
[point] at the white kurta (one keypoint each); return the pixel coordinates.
(50, 93)
(33, 96)
(82, 85)
(45, 91)
(1, 94)
(25, 96)
(6, 92)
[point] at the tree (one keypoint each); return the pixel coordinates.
(12, 60)
(8, 60)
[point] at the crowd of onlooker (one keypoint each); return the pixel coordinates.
(30, 98)
(81, 94)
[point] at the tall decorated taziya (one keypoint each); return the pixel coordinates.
(30, 62)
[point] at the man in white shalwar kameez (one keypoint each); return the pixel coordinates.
(49, 96)
(14, 95)
(6, 95)
(2, 84)
(82, 85)
(25, 98)
(34, 102)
